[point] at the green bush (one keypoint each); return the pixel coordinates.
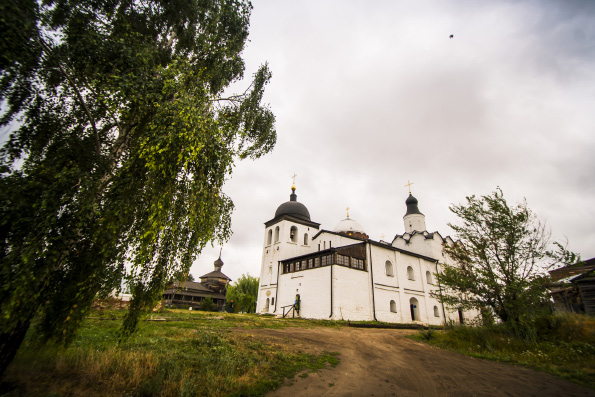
(207, 304)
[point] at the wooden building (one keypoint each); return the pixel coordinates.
(573, 287)
(192, 294)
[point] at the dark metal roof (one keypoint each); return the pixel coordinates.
(292, 207)
(412, 206)
(292, 218)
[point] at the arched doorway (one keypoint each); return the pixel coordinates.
(414, 306)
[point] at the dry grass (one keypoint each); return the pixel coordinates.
(197, 355)
(562, 345)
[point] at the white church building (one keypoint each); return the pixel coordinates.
(344, 275)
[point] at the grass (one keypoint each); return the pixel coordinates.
(189, 353)
(562, 345)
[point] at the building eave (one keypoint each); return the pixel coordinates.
(286, 217)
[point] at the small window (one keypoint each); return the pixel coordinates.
(393, 306)
(293, 234)
(389, 268)
(270, 269)
(429, 278)
(270, 237)
(342, 260)
(272, 301)
(305, 238)
(436, 312)
(277, 234)
(357, 263)
(410, 274)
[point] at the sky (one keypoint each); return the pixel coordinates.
(371, 95)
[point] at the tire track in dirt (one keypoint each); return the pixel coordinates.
(383, 362)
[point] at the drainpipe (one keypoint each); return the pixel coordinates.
(277, 288)
(332, 285)
(440, 287)
(372, 276)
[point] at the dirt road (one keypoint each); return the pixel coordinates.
(381, 362)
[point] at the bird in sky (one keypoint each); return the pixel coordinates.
(452, 36)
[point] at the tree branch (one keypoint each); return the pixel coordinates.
(78, 94)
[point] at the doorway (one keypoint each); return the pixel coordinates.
(414, 307)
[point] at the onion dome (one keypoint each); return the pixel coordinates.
(218, 264)
(293, 208)
(412, 208)
(350, 227)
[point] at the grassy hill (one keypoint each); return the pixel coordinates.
(176, 352)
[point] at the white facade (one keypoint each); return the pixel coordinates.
(340, 275)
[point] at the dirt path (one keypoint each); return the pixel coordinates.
(381, 362)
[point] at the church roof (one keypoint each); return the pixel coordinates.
(348, 225)
(215, 274)
(293, 208)
(189, 286)
(412, 206)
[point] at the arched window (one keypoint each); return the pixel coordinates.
(272, 301)
(393, 306)
(277, 234)
(436, 312)
(270, 237)
(461, 316)
(305, 238)
(410, 274)
(293, 234)
(429, 278)
(266, 305)
(389, 269)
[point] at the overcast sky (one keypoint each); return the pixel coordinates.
(369, 95)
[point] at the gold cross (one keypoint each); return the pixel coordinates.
(294, 175)
(382, 237)
(409, 185)
(347, 212)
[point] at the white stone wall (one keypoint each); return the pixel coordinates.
(313, 286)
(329, 240)
(414, 222)
(351, 294)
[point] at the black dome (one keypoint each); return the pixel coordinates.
(412, 206)
(293, 208)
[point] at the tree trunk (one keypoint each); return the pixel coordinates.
(10, 342)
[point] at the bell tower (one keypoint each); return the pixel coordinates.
(287, 235)
(414, 220)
